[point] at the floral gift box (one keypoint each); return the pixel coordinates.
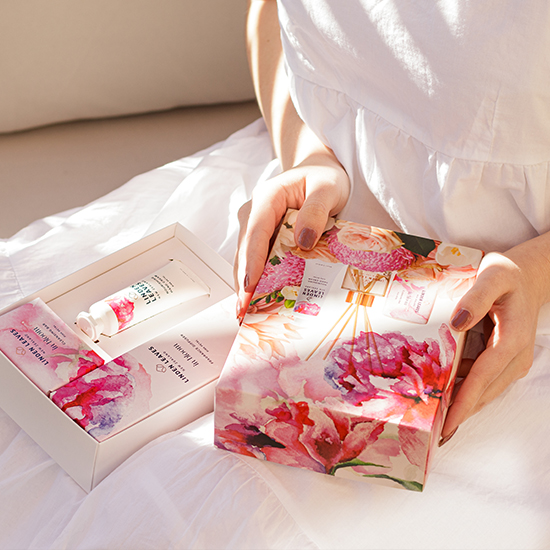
(345, 361)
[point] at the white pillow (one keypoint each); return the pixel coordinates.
(72, 59)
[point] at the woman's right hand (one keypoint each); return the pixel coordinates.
(318, 187)
(313, 180)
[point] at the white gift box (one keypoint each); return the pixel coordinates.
(85, 459)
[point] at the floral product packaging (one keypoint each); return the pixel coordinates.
(44, 347)
(345, 361)
(152, 376)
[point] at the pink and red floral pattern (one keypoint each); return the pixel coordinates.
(367, 403)
(116, 392)
(123, 309)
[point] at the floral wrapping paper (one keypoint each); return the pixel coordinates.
(352, 378)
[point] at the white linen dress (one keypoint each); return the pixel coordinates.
(441, 108)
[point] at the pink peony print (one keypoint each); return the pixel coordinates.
(123, 308)
(281, 272)
(307, 435)
(416, 370)
(305, 308)
(110, 397)
(367, 259)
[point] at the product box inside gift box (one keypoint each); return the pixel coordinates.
(346, 360)
(91, 403)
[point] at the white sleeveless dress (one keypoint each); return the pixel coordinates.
(440, 108)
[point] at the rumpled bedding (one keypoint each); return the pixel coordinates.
(489, 486)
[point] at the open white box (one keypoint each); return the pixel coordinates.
(86, 460)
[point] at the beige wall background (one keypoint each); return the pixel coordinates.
(63, 60)
(94, 92)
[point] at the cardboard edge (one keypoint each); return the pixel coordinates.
(47, 424)
(206, 254)
(168, 419)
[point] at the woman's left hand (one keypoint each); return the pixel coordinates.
(510, 288)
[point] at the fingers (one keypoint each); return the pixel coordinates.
(258, 220)
(501, 294)
(483, 384)
(318, 190)
(312, 218)
(479, 300)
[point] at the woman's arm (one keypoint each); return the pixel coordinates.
(510, 287)
(313, 180)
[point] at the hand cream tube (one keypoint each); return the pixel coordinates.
(170, 286)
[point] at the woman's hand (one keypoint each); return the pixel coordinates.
(312, 180)
(510, 288)
(318, 187)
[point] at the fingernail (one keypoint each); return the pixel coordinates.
(306, 239)
(461, 319)
(445, 439)
(238, 308)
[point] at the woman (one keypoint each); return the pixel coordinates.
(411, 104)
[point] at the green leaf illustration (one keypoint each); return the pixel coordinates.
(354, 462)
(417, 245)
(410, 485)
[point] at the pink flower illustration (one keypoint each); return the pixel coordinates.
(123, 308)
(305, 308)
(365, 237)
(366, 258)
(417, 371)
(113, 394)
(305, 434)
(266, 333)
(71, 363)
(281, 272)
(454, 280)
(416, 375)
(62, 360)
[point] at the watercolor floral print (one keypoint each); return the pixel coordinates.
(123, 308)
(100, 400)
(44, 347)
(349, 391)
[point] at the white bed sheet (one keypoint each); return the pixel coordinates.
(489, 486)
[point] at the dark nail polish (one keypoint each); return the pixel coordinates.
(461, 319)
(445, 439)
(238, 308)
(306, 239)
